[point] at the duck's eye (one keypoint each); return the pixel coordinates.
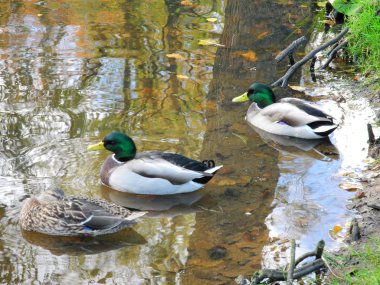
(109, 142)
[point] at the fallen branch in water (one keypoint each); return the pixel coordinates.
(292, 273)
(290, 49)
(283, 81)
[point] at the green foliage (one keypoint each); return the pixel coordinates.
(346, 7)
(368, 272)
(364, 44)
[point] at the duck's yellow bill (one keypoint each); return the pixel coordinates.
(97, 146)
(242, 98)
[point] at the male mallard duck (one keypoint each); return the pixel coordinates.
(289, 117)
(53, 213)
(150, 172)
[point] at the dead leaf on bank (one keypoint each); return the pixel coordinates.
(329, 22)
(297, 88)
(349, 187)
(174, 55)
(248, 55)
(212, 20)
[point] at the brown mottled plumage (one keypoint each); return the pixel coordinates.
(54, 213)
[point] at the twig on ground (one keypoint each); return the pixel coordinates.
(289, 279)
(354, 230)
(332, 54)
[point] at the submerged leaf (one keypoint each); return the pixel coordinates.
(248, 55)
(262, 35)
(180, 76)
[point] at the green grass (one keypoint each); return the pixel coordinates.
(358, 266)
(364, 43)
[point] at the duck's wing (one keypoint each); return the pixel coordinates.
(80, 211)
(294, 112)
(175, 168)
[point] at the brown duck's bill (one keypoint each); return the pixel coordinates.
(97, 146)
(242, 98)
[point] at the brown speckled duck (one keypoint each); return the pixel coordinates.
(53, 213)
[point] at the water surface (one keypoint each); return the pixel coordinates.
(73, 71)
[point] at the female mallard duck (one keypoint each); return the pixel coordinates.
(53, 213)
(150, 172)
(289, 117)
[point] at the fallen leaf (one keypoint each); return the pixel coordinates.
(360, 195)
(242, 180)
(209, 42)
(349, 186)
(174, 55)
(39, 15)
(262, 35)
(180, 76)
(186, 3)
(297, 88)
(248, 55)
(212, 20)
(329, 22)
(337, 229)
(321, 4)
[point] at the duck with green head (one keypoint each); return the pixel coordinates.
(288, 117)
(150, 172)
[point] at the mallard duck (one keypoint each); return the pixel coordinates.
(150, 172)
(289, 117)
(53, 213)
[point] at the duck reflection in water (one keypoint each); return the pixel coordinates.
(63, 245)
(157, 205)
(320, 149)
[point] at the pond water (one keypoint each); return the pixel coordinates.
(73, 71)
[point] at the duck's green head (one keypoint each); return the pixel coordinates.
(120, 144)
(260, 93)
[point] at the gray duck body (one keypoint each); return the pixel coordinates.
(53, 213)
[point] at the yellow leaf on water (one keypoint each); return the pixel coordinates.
(248, 55)
(212, 20)
(297, 88)
(208, 42)
(180, 76)
(174, 55)
(337, 229)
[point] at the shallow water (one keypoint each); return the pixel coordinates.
(73, 71)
